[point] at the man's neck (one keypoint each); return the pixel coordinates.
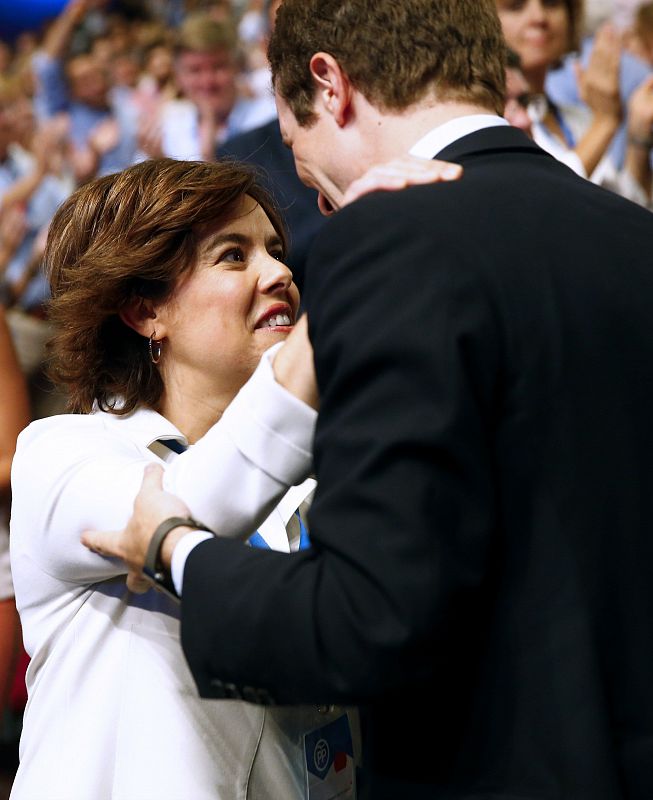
(393, 134)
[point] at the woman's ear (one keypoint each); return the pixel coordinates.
(139, 314)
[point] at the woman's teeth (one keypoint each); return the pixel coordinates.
(277, 320)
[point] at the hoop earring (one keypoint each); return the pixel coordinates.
(155, 349)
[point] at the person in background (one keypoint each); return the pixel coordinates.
(102, 127)
(209, 110)
(156, 82)
(541, 32)
(518, 96)
(34, 179)
(561, 81)
(638, 38)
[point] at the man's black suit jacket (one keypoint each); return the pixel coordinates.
(481, 578)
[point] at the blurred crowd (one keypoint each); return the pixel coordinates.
(102, 87)
(108, 83)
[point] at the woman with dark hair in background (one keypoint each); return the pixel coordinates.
(541, 32)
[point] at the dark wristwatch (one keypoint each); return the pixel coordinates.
(153, 567)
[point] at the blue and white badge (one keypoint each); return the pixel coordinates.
(329, 754)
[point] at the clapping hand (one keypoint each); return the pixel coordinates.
(598, 83)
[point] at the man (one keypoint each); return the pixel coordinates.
(102, 126)
(479, 581)
(209, 110)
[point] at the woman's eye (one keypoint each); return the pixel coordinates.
(235, 255)
(278, 254)
(511, 5)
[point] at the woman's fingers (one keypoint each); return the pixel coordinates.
(401, 173)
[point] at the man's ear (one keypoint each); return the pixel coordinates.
(140, 315)
(334, 89)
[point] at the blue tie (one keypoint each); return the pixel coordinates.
(256, 540)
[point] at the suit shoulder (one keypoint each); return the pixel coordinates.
(393, 213)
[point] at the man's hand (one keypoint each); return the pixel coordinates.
(399, 174)
(152, 506)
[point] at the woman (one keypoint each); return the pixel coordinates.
(541, 32)
(168, 286)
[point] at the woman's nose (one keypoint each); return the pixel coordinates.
(536, 10)
(275, 275)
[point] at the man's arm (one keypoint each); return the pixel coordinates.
(406, 355)
(293, 369)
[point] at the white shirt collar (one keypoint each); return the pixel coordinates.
(147, 427)
(437, 139)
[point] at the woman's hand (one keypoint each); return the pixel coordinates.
(399, 174)
(150, 136)
(598, 83)
(293, 365)
(640, 136)
(640, 113)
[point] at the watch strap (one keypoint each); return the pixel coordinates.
(153, 567)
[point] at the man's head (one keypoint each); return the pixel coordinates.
(206, 63)
(395, 59)
(395, 53)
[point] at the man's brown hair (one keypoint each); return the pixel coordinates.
(395, 52)
(121, 238)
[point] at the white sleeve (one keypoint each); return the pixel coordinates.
(181, 553)
(70, 474)
(232, 478)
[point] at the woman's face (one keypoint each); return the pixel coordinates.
(537, 30)
(237, 302)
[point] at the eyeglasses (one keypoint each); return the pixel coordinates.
(536, 104)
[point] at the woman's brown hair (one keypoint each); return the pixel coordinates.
(119, 238)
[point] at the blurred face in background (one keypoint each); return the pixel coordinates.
(88, 81)
(23, 122)
(517, 100)
(537, 30)
(159, 64)
(208, 79)
(125, 71)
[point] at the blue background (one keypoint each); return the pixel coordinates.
(20, 15)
